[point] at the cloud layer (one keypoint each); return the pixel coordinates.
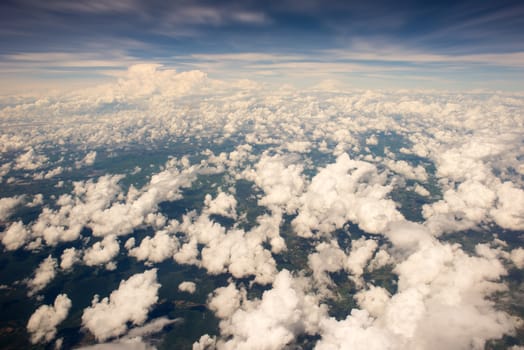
(400, 213)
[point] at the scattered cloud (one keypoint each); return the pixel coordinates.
(131, 302)
(43, 322)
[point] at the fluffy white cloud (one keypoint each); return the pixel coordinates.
(421, 190)
(131, 302)
(156, 249)
(442, 298)
(44, 273)
(473, 140)
(88, 160)
(272, 322)
(70, 256)
(102, 252)
(30, 160)
(328, 257)
(405, 169)
(281, 180)
(517, 257)
(509, 212)
(374, 300)
(223, 204)
(8, 204)
(347, 190)
(362, 251)
(76, 209)
(103, 206)
(140, 205)
(15, 236)
(124, 344)
(43, 322)
(235, 251)
(357, 332)
(187, 286)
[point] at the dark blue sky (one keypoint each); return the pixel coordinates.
(371, 44)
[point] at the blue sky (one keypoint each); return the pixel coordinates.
(452, 45)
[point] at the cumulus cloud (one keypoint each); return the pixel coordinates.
(373, 299)
(44, 273)
(8, 204)
(88, 160)
(517, 257)
(152, 327)
(347, 190)
(102, 252)
(30, 160)
(355, 332)
(15, 236)
(280, 179)
(442, 298)
(103, 207)
(140, 206)
(131, 302)
(43, 322)
(509, 212)
(187, 286)
(235, 251)
(155, 249)
(70, 256)
(328, 257)
(474, 202)
(223, 204)
(76, 209)
(271, 322)
(405, 169)
(362, 251)
(468, 147)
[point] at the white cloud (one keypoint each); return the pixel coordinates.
(88, 160)
(272, 322)
(30, 160)
(235, 251)
(124, 344)
(44, 274)
(131, 302)
(152, 327)
(223, 204)
(357, 332)
(102, 252)
(374, 300)
(42, 323)
(76, 209)
(372, 140)
(509, 212)
(156, 249)
(8, 204)
(405, 169)
(70, 256)
(102, 206)
(421, 190)
(281, 180)
(327, 258)
(187, 286)
(15, 236)
(347, 190)
(362, 251)
(517, 257)
(444, 294)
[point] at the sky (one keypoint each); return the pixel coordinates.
(451, 45)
